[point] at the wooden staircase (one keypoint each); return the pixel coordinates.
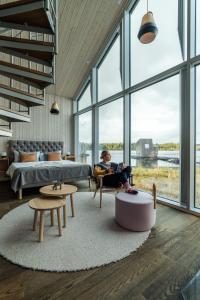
(28, 44)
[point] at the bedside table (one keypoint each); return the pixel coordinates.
(69, 157)
(4, 164)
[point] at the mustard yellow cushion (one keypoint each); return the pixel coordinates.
(52, 156)
(28, 157)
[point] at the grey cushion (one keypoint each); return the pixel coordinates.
(16, 156)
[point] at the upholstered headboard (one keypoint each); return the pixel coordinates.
(31, 146)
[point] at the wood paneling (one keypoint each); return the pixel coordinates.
(45, 126)
(84, 26)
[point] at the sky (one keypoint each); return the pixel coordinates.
(155, 110)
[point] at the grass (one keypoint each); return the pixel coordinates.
(166, 180)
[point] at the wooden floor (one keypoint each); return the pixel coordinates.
(164, 264)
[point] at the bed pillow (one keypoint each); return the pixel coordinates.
(16, 156)
(28, 157)
(52, 156)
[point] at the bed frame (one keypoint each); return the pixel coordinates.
(32, 146)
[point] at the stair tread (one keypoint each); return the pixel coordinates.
(15, 3)
(6, 132)
(21, 40)
(5, 129)
(14, 111)
(19, 91)
(24, 69)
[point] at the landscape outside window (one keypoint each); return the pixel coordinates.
(155, 137)
(109, 76)
(85, 99)
(197, 187)
(111, 129)
(165, 51)
(85, 137)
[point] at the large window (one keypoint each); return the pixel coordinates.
(85, 100)
(111, 129)
(155, 144)
(109, 76)
(165, 51)
(85, 137)
(197, 26)
(155, 105)
(197, 186)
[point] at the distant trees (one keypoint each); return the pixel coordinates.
(119, 146)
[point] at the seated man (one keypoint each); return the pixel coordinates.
(118, 173)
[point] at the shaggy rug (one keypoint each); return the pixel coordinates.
(91, 238)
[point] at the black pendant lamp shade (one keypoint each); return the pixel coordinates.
(148, 29)
(55, 108)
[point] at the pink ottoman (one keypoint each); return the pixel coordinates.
(135, 212)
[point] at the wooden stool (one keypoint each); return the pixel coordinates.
(67, 189)
(40, 206)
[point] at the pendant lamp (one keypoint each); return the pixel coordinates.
(55, 108)
(148, 29)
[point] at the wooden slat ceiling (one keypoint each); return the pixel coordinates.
(84, 26)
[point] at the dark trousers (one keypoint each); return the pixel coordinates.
(116, 179)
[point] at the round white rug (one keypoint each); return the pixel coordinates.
(91, 239)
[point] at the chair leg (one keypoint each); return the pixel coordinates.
(101, 198)
(95, 193)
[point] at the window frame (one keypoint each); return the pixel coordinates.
(187, 94)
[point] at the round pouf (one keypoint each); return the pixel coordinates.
(135, 212)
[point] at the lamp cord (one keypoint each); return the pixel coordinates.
(147, 6)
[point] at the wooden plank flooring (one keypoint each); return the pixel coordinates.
(164, 264)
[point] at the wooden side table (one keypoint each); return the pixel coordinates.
(67, 189)
(69, 157)
(40, 206)
(4, 164)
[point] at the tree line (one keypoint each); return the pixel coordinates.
(119, 146)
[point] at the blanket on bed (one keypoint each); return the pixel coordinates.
(24, 175)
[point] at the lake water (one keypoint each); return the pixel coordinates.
(117, 156)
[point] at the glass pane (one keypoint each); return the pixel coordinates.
(165, 51)
(111, 129)
(109, 77)
(155, 138)
(85, 99)
(85, 138)
(197, 202)
(197, 26)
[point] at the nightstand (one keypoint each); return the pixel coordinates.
(69, 157)
(4, 164)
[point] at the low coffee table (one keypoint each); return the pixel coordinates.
(67, 189)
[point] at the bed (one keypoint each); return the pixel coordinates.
(40, 173)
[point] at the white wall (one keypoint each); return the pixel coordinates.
(45, 126)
